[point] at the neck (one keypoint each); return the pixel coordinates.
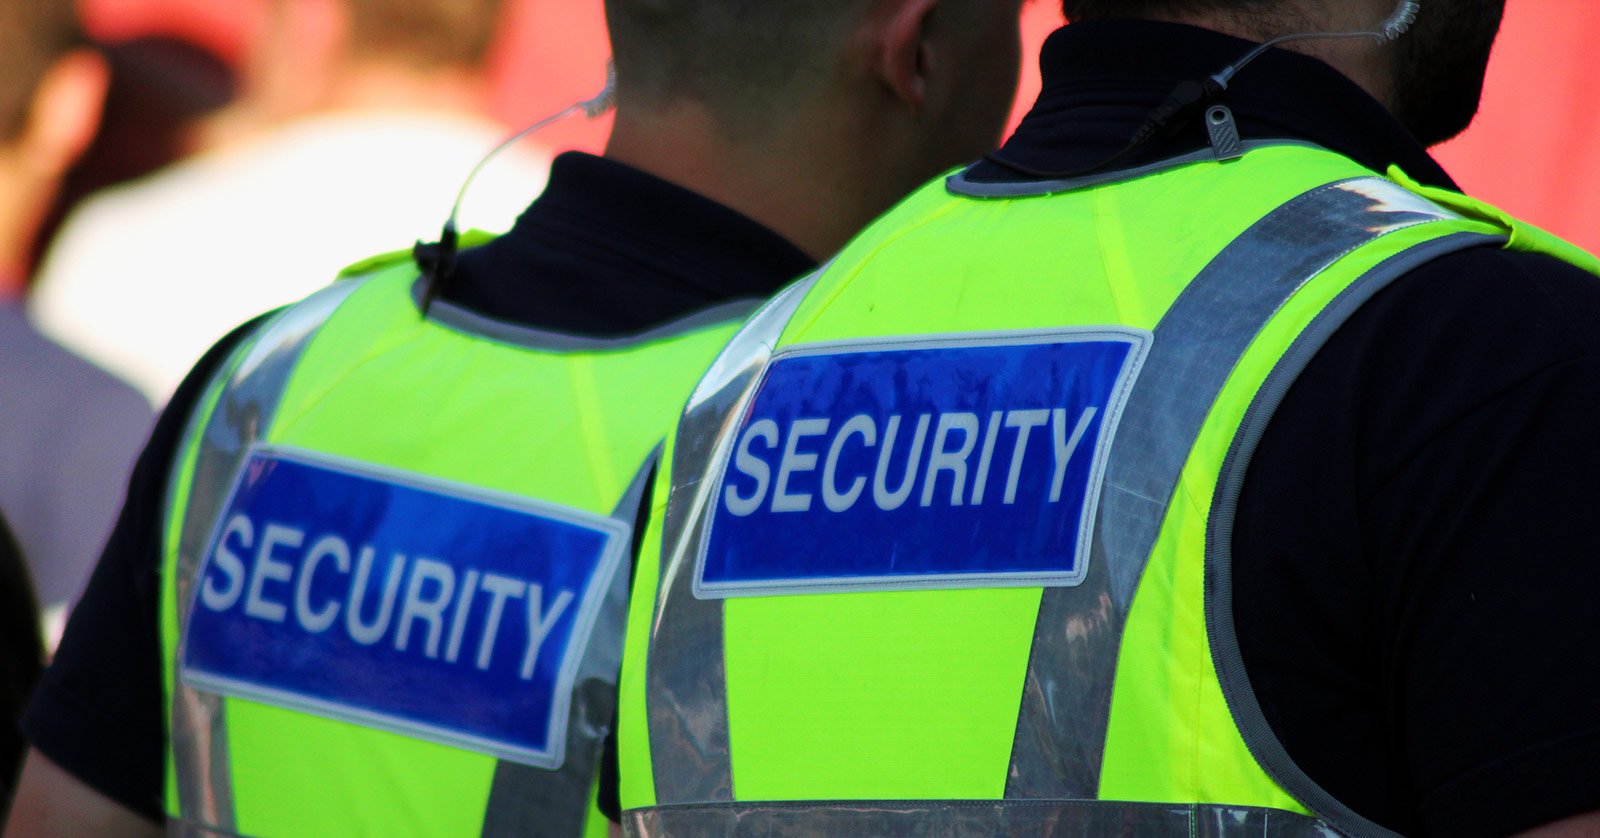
(798, 180)
(1365, 62)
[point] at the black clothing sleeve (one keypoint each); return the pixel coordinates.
(21, 655)
(1414, 558)
(97, 712)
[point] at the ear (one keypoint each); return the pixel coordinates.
(65, 113)
(902, 49)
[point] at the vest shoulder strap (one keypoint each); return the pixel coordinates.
(1524, 237)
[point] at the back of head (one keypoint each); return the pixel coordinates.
(425, 34)
(768, 106)
(1433, 77)
(34, 34)
(737, 57)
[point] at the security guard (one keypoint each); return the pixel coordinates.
(384, 535)
(1202, 463)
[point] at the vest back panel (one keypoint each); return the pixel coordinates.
(376, 389)
(894, 694)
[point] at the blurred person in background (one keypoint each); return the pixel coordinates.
(165, 96)
(372, 572)
(359, 121)
(68, 430)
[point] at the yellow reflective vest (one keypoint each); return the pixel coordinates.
(396, 566)
(944, 547)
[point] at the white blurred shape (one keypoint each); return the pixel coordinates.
(144, 278)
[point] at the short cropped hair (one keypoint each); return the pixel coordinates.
(34, 34)
(731, 55)
(426, 33)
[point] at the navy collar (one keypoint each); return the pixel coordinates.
(698, 237)
(609, 250)
(1101, 80)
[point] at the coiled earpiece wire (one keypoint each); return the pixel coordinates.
(1388, 31)
(438, 260)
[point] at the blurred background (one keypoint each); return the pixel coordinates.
(1540, 100)
(223, 157)
(190, 164)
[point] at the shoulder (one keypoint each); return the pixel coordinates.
(1455, 335)
(1411, 549)
(1487, 290)
(1454, 364)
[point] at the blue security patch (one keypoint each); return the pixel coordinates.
(394, 601)
(971, 461)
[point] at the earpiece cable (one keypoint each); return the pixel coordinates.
(1191, 97)
(438, 260)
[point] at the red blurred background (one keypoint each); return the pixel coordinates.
(1533, 150)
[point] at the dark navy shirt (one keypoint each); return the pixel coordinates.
(1413, 561)
(606, 251)
(21, 653)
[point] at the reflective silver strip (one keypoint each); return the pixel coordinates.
(687, 689)
(1061, 730)
(971, 819)
(242, 415)
(524, 800)
(1220, 627)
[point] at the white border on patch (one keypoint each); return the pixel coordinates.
(617, 539)
(1140, 341)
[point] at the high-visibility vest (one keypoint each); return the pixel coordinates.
(945, 547)
(396, 566)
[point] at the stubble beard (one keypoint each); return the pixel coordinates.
(1440, 67)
